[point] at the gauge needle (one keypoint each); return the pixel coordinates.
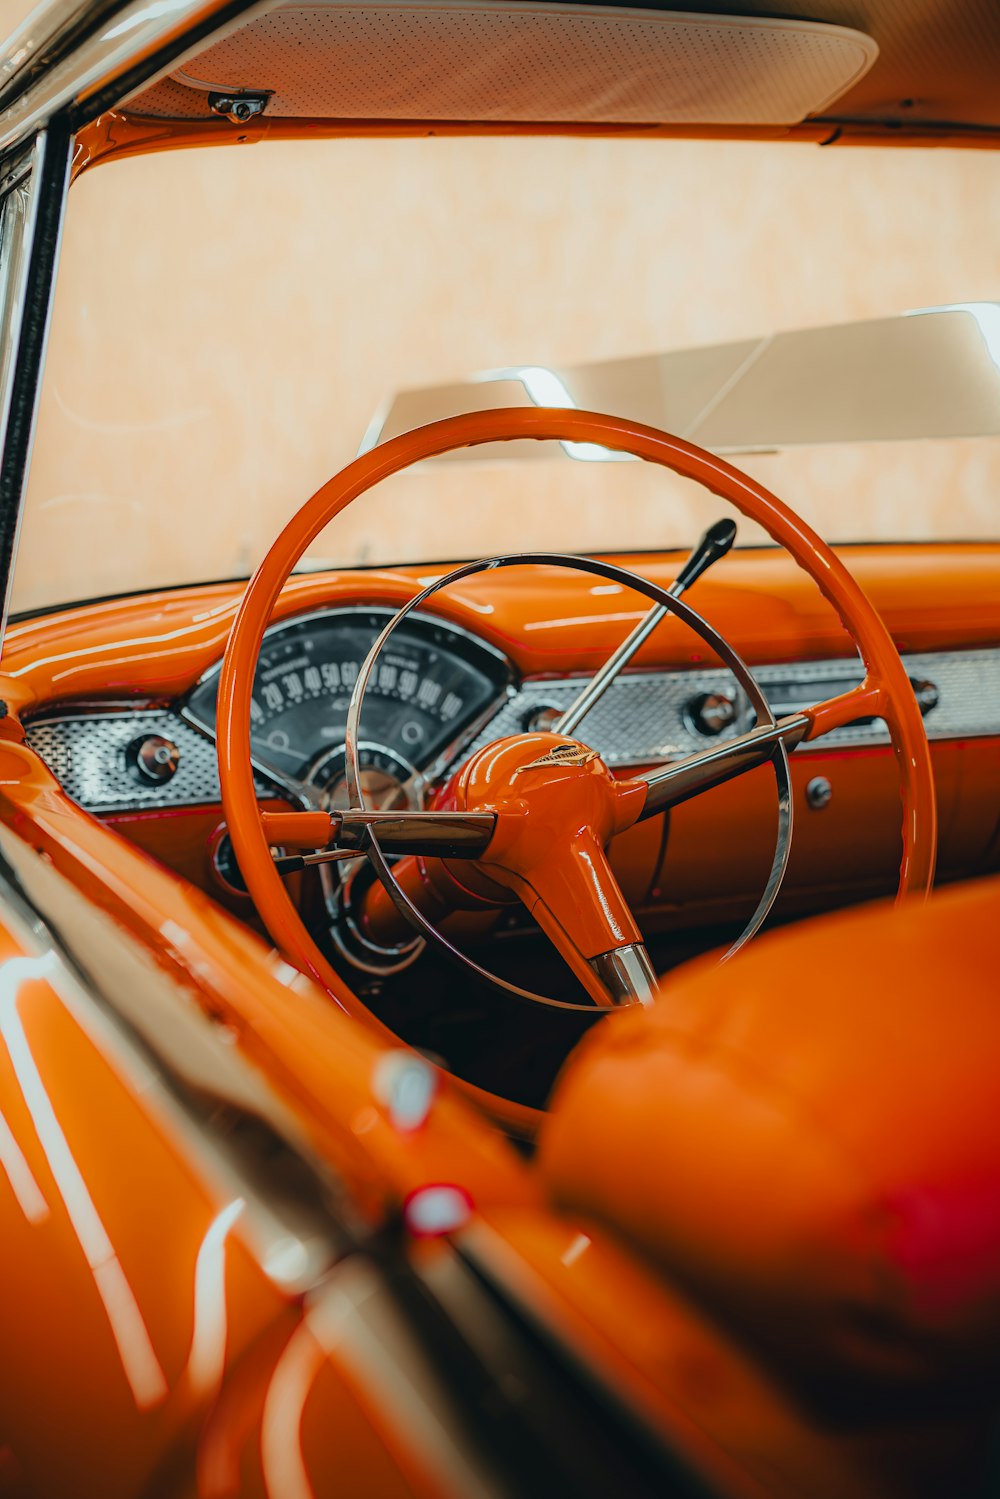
(715, 543)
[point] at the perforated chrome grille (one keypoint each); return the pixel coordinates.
(466, 60)
(644, 717)
(86, 752)
(641, 719)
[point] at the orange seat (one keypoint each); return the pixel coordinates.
(808, 1139)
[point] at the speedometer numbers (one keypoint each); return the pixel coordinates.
(431, 682)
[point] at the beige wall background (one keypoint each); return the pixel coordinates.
(227, 321)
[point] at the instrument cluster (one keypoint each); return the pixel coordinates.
(433, 686)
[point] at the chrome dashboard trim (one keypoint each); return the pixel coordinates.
(640, 721)
(86, 753)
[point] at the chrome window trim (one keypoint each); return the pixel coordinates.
(18, 213)
(28, 304)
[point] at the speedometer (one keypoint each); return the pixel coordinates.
(430, 684)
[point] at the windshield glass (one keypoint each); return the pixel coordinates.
(228, 323)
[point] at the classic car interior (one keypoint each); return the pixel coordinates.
(498, 905)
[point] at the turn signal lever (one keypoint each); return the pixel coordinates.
(715, 543)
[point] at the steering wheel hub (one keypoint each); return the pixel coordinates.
(557, 807)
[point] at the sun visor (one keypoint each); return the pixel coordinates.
(933, 372)
(521, 63)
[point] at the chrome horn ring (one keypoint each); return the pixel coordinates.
(758, 702)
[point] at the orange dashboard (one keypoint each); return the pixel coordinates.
(931, 597)
(98, 663)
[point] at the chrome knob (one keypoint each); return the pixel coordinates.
(542, 720)
(818, 793)
(153, 759)
(711, 712)
(926, 694)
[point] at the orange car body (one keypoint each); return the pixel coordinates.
(253, 1245)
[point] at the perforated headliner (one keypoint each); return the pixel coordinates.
(887, 61)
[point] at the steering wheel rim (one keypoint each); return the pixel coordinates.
(885, 693)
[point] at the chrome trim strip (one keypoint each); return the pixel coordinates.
(28, 337)
(642, 719)
(627, 974)
(16, 239)
(639, 723)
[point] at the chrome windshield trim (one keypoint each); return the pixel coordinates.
(29, 298)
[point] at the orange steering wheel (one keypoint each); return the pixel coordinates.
(532, 813)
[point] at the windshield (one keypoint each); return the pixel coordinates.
(229, 323)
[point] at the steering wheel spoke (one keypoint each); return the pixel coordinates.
(442, 835)
(866, 701)
(445, 835)
(679, 781)
(568, 886)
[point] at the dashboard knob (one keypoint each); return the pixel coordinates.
(926, 694)
(223, 860)
(711, 712)
(153, 759)
(541, 720)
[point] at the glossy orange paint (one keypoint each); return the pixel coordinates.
(157, 645)
(290, 1391)
(320, 1063)
(679, 1366)
(114, 1228)
(806, 1141)
(157, 1333)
